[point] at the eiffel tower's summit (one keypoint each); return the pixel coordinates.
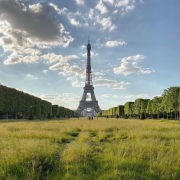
(88, 89)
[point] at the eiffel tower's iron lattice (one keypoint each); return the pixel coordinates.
(88, 89)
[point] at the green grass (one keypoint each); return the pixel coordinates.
(103, 149)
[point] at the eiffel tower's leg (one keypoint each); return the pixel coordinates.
(93, 96)
(84, 96)
(81, 105)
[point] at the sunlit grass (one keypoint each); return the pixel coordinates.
(82, 149)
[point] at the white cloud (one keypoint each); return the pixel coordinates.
(106, 95)
(115, 11)
(30, 76)
(115, 43)
(110, 2)
(127, 68)
(129, 8)
(109, 96)
(74, 22)
(145, 96)
(64, 73)
(16, 59)
(133, 58)
(76, 13)
(125, 5)
(99, 81)
(82, 47)
(106, 23)
(75, 82)
(36, 7)
(59, 11)
(91, 13)
(64, 100)
(121, 3)
(67, 70)
(68, 94)
(51, 57)
(45, 71)
(23, 29)
(30, 59)
(146, 71)
(79, 2)
(50, 96)
(112, 28)
(92, 54)
(101, 7)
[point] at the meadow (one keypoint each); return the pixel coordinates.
(103, 149)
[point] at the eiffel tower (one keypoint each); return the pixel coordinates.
(84, 104)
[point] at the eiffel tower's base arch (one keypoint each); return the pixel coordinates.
(88, 104)
(84, 104)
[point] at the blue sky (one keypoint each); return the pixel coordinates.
(135, 48)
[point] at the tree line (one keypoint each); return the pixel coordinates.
(17, 104)
(165, 106)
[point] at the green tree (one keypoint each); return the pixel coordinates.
(155, 106)
(144, 103)
(137, 107)
(128, 108)
(120, 111)
(149, 108)
(171, 100)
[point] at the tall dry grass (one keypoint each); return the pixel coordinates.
(82, 149)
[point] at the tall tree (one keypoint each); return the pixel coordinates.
(137, 107)
(171, 99)
(149, 108)
(144, 104)
(155, 105)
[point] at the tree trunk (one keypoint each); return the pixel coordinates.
(179, 115)
(151, 116)
(163, 115)
(158, 116)
(167, 116)
(171, 115)
(6, 115)
(16, 115)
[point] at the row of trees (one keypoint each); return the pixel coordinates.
(112, 112)
(17, 103)
(165, 106)
(59, 111)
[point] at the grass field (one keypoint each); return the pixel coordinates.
(103, 149)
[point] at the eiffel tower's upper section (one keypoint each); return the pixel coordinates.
(88, 67)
